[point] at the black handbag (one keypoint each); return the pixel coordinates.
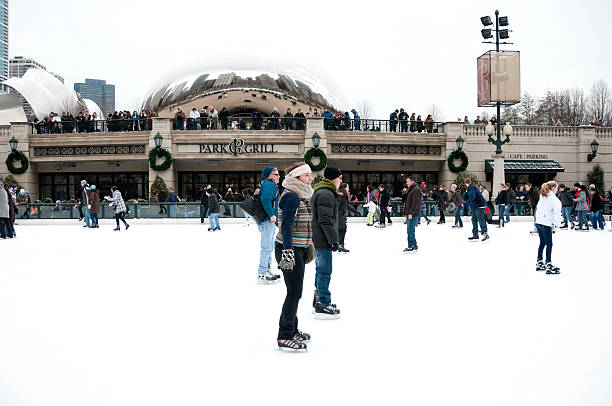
(252, 206)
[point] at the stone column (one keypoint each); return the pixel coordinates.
(315, 125)
(499, 174)
(22, 131)
(452, 131)
(162, 126)
(585, 135)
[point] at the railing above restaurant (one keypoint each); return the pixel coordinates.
(240, 123)
(92, 126)
(525, 131)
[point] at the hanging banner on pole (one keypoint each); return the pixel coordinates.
(499, 78)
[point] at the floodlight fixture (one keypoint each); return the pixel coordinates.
(486, 21)
(504, 34)
(486, 33)
(503, 21)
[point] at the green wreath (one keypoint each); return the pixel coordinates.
(17, 156)
(160, 152)
(318, 153)
(454, 156)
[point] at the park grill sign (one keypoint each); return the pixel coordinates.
(237, 147)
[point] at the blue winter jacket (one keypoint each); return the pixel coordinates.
(474, 197)
(355, 115)
(268, 195)
(172, 198)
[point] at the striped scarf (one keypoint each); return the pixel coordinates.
(302, 227)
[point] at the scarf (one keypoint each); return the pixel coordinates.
(301, 189)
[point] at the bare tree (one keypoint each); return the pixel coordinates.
(511, 115)
(600, 102)
(527, 109)
(136, 104)
(436, 112)
(364, 108)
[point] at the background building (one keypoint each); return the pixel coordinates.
(19, 65)
(98, 91)
(4, 65)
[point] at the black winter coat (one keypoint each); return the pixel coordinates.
(343, 205)
(442, 200)
(384, 198)
(566, 198)
(596, 203)
(502, 197)
(213, 204)
(413, 201)
(324, 216)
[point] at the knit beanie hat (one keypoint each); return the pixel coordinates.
(331, 173)
(266, 172)
(93, 187)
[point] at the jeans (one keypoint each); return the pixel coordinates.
(172, 209)
(458, 213)
(323, 274)
(410, 226)
(545, 233)
(6, 228)
(213, 220)
(500, 211)
(203, 210)
(582, 218)
(424, 214)
(566, 211)
(86, 214)
(94, 219)
(294, 281)
(478, 217)
(404, 126)
(508, 208)
(597, 219)
(120, 216)
(268, 232)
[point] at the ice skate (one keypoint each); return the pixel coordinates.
(551, 269)
(475, 237)
(291, 345)
(301, 337)
(268, 278)
(410, 250)
(343, 250)
(540, 266)
(485, 237)
(326, 312)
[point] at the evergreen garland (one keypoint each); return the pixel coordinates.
(318, 153)
(17, 156)
(160, 152)
(456, 154)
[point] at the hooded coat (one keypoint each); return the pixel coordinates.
(4, 204)
(324, 214)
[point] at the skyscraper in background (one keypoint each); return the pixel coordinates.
(98, 91)
(4, 65)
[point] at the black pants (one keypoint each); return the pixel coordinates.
(442, 218)
(120, 216)
(341, 235)
(294, 281)
(203, 211)
(6, 228)
(384, 214)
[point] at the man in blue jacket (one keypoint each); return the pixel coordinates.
(477, 203)
(268, 196)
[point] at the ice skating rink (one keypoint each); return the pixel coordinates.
(172, 315)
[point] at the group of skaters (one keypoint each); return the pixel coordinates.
(88, 205)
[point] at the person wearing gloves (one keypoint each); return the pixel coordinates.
(291, 250)
(268, 196)
(548, 214)
(116, 201)
(325, 239)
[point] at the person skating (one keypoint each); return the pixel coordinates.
(412, 209)
(117, 202)
(203, 204)
(268, 196)
(442, 202)
(477, 204)
(84, 196)
(325, 238)
(291, 250)
(6, 228)
(371, 206)
(533, 194)
(383, 201)
(213, 210)
(511, 197)
(565, 198)
(582, 207)
(501, 201)
(343, 199)
(596, 209)
(423, 206)
(548, 214)
(457, 200)
(94, 206)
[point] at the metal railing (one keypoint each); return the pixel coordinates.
(399, 126)
(70, 210)
(92, 126)
(240, 123)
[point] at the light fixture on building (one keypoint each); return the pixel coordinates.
(489, 129)
(594, 147)
(486, 21)
(13, 143)
(316, 140)
(486, 33)
(158, 140)
(459, 142)
(507, 130)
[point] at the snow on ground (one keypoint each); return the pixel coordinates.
(172, 315)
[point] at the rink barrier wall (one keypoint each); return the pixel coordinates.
(69, 210)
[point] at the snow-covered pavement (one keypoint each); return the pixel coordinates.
(172, 315)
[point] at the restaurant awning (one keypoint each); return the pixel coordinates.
(525, 166)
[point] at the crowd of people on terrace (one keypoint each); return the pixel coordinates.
(84, 122)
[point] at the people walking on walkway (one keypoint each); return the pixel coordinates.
(268, 196)
(477, 203)
(325, 239)
(120, 210)
(213, 210)
(548, 214)
(412, 209)
(457, 200)
(292, 250)
(343, 201)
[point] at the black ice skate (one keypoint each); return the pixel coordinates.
(551, 269)
(341, 249)
(540, 266)
(301, 337)
(410, 250)
(474, 237)
(326, 312)
(291, 345)
(485, 237)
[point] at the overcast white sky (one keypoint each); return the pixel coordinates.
(391, 53)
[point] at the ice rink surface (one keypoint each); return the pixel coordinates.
(172, 315)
